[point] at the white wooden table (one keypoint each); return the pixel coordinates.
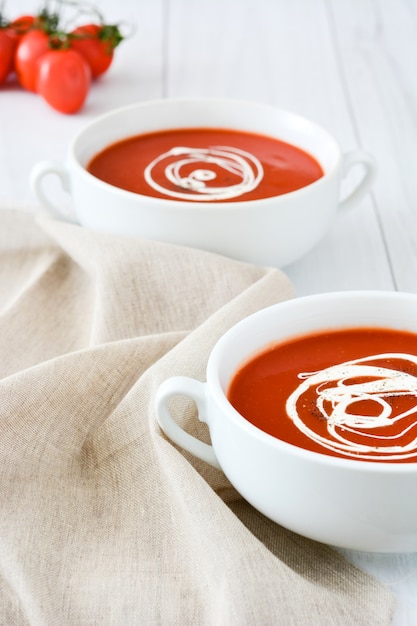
(350, 65)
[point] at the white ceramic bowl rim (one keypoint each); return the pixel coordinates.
(166, 202)
(213, 380)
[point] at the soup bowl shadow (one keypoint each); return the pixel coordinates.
(273, 231)
(367, 505)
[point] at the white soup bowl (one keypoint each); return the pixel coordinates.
(272, 231)
(350, 503)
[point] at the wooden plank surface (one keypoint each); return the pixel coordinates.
(250, 54)
(378, 56)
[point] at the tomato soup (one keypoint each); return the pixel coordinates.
(205, 165)
(349, 393)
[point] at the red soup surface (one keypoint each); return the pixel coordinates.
(347, 393)
(205, 165)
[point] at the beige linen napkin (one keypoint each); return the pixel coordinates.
(103, 521)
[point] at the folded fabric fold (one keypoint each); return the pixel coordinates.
(103, 520)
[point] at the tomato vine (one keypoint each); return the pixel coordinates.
(77, 31)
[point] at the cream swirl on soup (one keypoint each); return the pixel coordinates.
(355, 399)
(348, 392)
(194, 170)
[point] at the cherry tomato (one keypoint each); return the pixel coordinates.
(9, 38)
(17, 28)
(63, 80)
(7, 47)
(22, 24)
(96, 43)
(32, 46)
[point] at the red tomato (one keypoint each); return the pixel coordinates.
(7, 47)
(96, 43)
(33, 45)
(63, 80)
(22, 24)
(17, 28)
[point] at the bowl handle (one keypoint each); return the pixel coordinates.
(38, 173)
(350, 159)
(182, 385)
